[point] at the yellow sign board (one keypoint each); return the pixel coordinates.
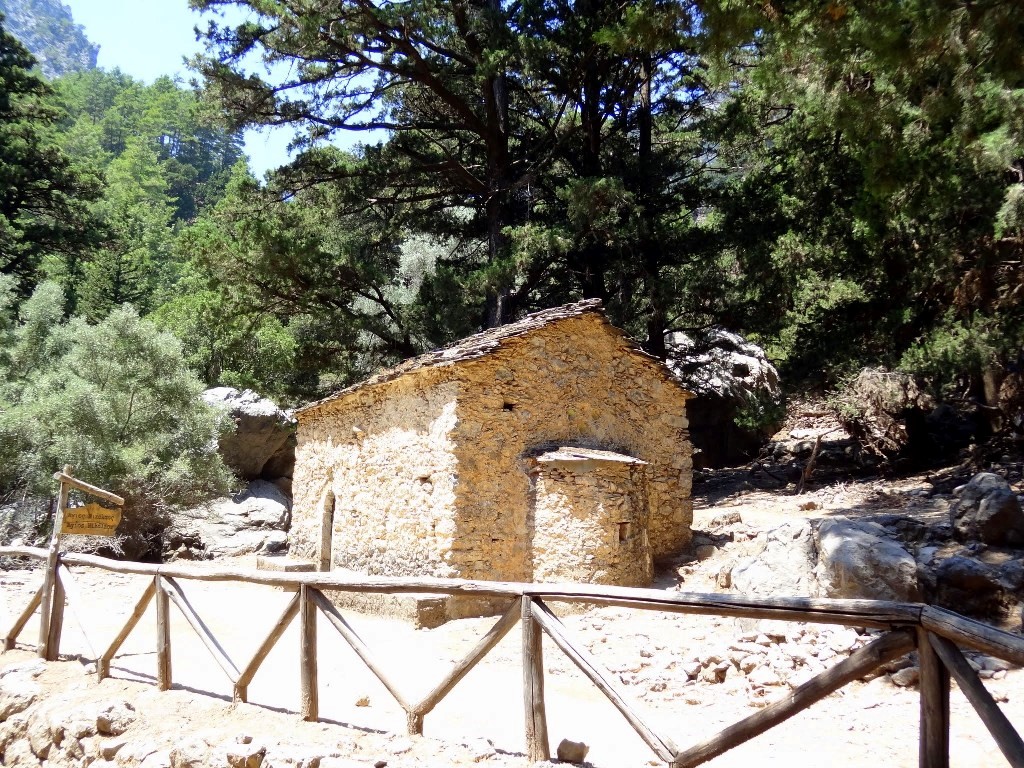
(90, 520)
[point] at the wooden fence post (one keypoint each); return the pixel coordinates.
(537, 747)
(46, 604)
(56, 619)
(163, 636)
(934, 685)
(309, 693)
(1002, 730)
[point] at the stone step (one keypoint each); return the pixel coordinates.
(284, 564)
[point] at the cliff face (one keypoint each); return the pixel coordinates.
(48, 30)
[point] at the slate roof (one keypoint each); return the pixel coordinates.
(486, 342)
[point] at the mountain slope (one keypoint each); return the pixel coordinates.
(48, 30)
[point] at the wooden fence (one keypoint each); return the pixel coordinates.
(935, 633)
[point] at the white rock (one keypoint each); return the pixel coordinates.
(783, 566)
(136, 752)
(191, 753)
(800, 677)
(114, 717)
(750, 663)
(764, 677)
(843, 640)
(159, 759)
(17, 693)
(32, 669)
(38, 732)
(859, 559)
(245, 755)
(19, 755)
(715, 673)
(12, 730)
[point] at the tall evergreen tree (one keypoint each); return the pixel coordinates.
(527, 129)
(879, 199)
(43, 197)
(437, 76)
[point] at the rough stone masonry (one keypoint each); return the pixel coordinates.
(448, 464)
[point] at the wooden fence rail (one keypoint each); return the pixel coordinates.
(935, 632)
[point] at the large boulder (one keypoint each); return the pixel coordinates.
(263, 442)
(783, 567)
(834, 558)
(970, 586)
(988, 510)
(18, 690)
(738, 400)
(254, 520)
(862, 560)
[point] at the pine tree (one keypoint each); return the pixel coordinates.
(43, 197)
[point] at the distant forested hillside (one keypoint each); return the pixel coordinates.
(49, 32)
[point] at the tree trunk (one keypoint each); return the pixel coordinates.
(499, 309)
(592, 260)
(652, 253)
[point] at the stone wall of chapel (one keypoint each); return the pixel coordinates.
(572, 383)
(589, 523)
(385, 457)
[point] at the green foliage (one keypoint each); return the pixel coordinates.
(959, 351)
(134, 260)
(110, 113)
(436, 76)
(307, 294)
(163, 159)
(115, 400)
(841, 182)
(760, 413)
(559, 144)
(880, 150)
(226, 345)
(43, 197)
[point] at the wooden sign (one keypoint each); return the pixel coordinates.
(90, 520)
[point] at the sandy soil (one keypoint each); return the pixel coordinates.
(482, 720)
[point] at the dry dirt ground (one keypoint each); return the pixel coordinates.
(482, 720)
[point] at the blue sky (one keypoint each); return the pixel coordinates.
(150, 38)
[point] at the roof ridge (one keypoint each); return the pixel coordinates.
(470, 347)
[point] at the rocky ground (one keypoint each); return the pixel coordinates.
(691, 675)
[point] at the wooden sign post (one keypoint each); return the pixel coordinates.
(91, 520)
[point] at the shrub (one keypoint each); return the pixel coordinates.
(116, 401)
